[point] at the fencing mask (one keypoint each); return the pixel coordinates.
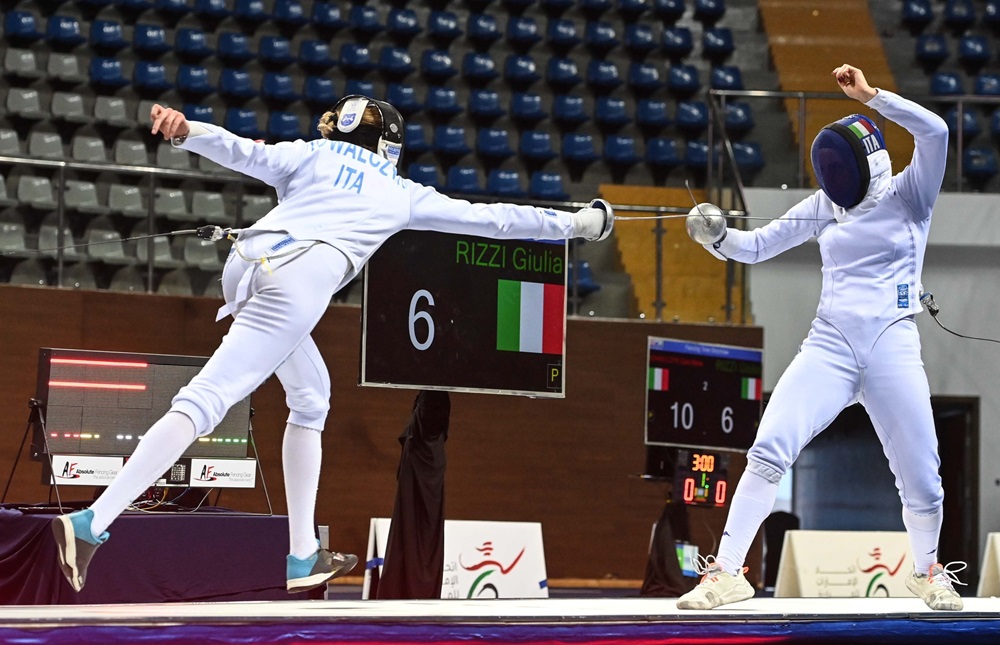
(385, 140)
(846, 155)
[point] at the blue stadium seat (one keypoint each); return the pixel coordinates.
(632, 9)
(436, 66)
(234, 48)
(739, 118)
(709, 12)
(64, 32)
(931, 50)
(562, 74)
(726, 77)
(677, 43)
(250, 11)
(748, 156)
(522, 32)
(568, 110)
(415, 139)
(105, 35)
(668, 11)
(21, 27)
(275, 50)
(603, 76)
(583, 280)
(150, 40)
(402, 25)
(556, 7)
(289, 13)
(696, 156)
(106, 73)
(610, 112)
(210, 9)
(987, 84)
(478, 68)
(995, 124)
(482, 30)
(359, 86)
(196, 112)
(279, 87)
(150, 76)
(651, 114)
(442, 27)
(355, 59)
(562, 35)
(235, 83)
(449, 141)
(493, 144)
(364, 21)
(403, 98)
(974, 52)
(326, 16)
(484, 105)
(283, 126)
(319, 91)
(442, 102)
(526, 108)
(192, 44)
(959, 15)
(639, 40)
(593, 9)
(917, 14)
(991, 15)
(504, 183)
(242, 122)
(644, 78)
(395, 63)
(314, 55)
(717, 44)
(192, 80)
(172, 8)
(620, 151)
(946, 84)
(424, 174)
(979, 165)
(661, 152)
(683, 80)
(547, 185)
(970, 126)
(691, 117)
(600, 37)
(520, 71)
(578, 149)
(536, 145)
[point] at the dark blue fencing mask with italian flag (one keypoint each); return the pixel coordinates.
(841, 155)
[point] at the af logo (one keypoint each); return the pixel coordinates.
(69, 471)
(206, 474)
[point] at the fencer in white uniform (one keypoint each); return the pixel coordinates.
(339, 198)
(863, 345)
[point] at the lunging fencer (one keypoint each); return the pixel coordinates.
(339, 198)
(863, 345)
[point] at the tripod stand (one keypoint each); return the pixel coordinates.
(36, 416)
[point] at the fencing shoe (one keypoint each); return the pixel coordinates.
(595, 222)
(716, 587)
(303, 575)
(937, 586)
(76, 545)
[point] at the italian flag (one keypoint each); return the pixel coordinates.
(750, 389)
(530, 317)
(861, 128)
(659, 379)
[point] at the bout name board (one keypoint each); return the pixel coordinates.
(463, 313)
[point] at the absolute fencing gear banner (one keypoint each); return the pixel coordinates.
(840, 158)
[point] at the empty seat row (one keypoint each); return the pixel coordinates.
(955, 84)
(974, 51)
(957, 15)
(127, 279)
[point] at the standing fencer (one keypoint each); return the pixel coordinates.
(863, 345)
(339, 198)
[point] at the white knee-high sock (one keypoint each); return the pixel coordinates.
(157, 451)
(302, 458)
(752, 502)
(924, 532)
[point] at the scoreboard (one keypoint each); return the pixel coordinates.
(464, 313)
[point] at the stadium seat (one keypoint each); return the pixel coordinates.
(520, 71)
(991, 15)
(327, 18)
(568, 110)
(169, 156)
(979, 165)
(478, 68)
(610, 113)
(171, 203)
(504, 183)
(668, 11)
(278, 87)
(364, 21)
(25, 103)
(709, 12)
(644, 78)
(463, 180)
(582, 281)
(150, 40)
(131, 152)
(630, 10)
(81, 196)
(424, 174)
(526, 108)
(696, 156)
(197, 112)
(192, 80)
(536, 146)
(603, 76)
(484, 105)
(242, 122)
(127, 200)
(65, 67)
(442, 27)
(995, 124)
(127, 279)
(620, 151)
(917, 14)
(482, 30)
(662, 153)
(276, 51)
(449, 141)
(355, 59)
(959, 15)
(493, 145)
(547, 185)
(234, 48)
(10, 143)
(46, 145)
(172, 9)
(739, 118)
(436, 66)
(562, 74)
(175, 283)
(395, 63)
(256, 207)
(210, 9)
(579, 149)
(593, 9)
(235, 83)
(600, 37)
(717, 44)
(21, 63)
(691, 117)
(522, 33)
(401, 25)
(946, 84)
(987, 84)
(284, 126)
(111, 110)
(192, 44)
(931, 50)
(48, 239)
(107, 36)
(974, 52)
(639, 40)
(64, 32)
(35, 192)
(79, 276)
(88, 148)
(683, 80)
(970, 126)
(677, 43)
(404, 99)
(21, 27)
(748, 156)
(12, 234)
(314, 55)
(150, 76)
(201, 254)
(442, 102)
(359, 86)
(726, 77)
(163, 256)
(30, 273)
(561, 35)
(250, 11)
(651, 115)
(289, 13)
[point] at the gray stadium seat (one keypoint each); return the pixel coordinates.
(21, 63)
(213, 289)
(4, 199)
(168, 156)
(68, 106)
(79, 276)
(10, 144)
(47, 145)
(25, 102)
(202, 254)
(48, 239)
(128, 280)
(65, 67)
(170, 203)
(29, 273)
(35, 192)
(256, 207)
(126, 200)
(163, 255)
(175, 283)
(87, 148)
(82, 196)
(208, 206)
(104, 242)
(131, 152)
(111, 110)
(206, 164)
(12, 238)
(143, 111)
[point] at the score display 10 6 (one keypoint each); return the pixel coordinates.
(701, 477)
